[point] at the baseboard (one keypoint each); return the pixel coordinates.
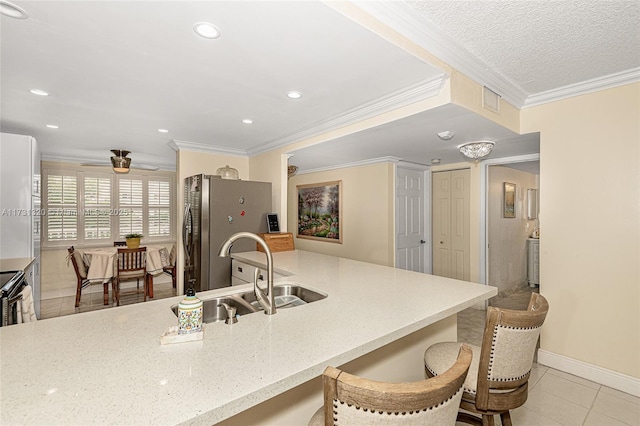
(603, 376)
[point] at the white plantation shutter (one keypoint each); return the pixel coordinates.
(97, 208)
(62, 207)
(159, 203)
(131, 205)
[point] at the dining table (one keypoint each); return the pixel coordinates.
(103, 266)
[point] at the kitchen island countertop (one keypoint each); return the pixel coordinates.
(108, 367)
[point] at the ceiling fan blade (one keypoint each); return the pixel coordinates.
(133, 166)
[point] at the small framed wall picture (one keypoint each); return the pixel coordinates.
(272, 223)
(509, 200)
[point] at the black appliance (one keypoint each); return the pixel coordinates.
(11, 285)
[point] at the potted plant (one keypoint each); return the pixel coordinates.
(133, 240)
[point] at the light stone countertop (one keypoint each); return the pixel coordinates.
(108, 367)
(16, 264)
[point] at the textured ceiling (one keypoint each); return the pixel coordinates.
(542, 45)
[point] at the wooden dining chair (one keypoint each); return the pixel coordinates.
(132, 263)
(499, 373)
(171, 268)
(352, 400)
(81, 276)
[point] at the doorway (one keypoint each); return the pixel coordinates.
(506, 233)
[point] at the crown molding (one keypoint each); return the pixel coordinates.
(406, 96)
(584, 87)
(401, 18)
(367, 162)
(178, 145)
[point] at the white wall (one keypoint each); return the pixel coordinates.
(507, 237)
(590, 226)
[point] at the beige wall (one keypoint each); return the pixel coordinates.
(367, 221)
(590, 226)
(507, 237)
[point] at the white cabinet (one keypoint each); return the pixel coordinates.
(533, 262)
(20, 205)
(242, 273)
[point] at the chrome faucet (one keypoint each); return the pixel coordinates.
(267, 300)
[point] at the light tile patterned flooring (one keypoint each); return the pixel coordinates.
(556, 398)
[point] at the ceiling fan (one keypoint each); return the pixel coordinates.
(121, 163)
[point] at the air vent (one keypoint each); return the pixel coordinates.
(490, 99)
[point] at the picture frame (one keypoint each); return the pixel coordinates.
(320, 211)
(509, 208)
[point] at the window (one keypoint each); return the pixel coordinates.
(130, 207)
(97, 208)
(62, 208)
(90, 208)
(159, 202)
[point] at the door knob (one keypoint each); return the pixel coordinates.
(422, 241)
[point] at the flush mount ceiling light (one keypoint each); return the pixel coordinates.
(476, 150)
(12, 11)
(446, 135)
(120, 161)
(294, 95)
(206, 30)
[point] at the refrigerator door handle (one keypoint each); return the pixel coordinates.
(187, 223)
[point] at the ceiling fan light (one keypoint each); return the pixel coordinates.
(120, 161)
(477, 150)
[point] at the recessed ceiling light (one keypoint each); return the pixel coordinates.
(39, 92)
(163, 130)
(247, 121)
(435, 161)
(52, 126)
(294, 95)
(12, 11)
(206, 30)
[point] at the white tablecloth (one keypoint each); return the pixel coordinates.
(102, 263)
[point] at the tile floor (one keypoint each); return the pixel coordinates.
(92, 299)
(555, 397)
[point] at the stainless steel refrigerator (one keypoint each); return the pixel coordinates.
(216, 208)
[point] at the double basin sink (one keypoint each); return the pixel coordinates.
(285, 295)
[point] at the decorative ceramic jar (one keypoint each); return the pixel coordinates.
(190, 313)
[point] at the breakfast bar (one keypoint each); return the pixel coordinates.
(108, 366)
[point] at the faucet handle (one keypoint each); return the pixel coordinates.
(231, 313)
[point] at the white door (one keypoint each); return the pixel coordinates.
(411, 253)
(451, 224)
